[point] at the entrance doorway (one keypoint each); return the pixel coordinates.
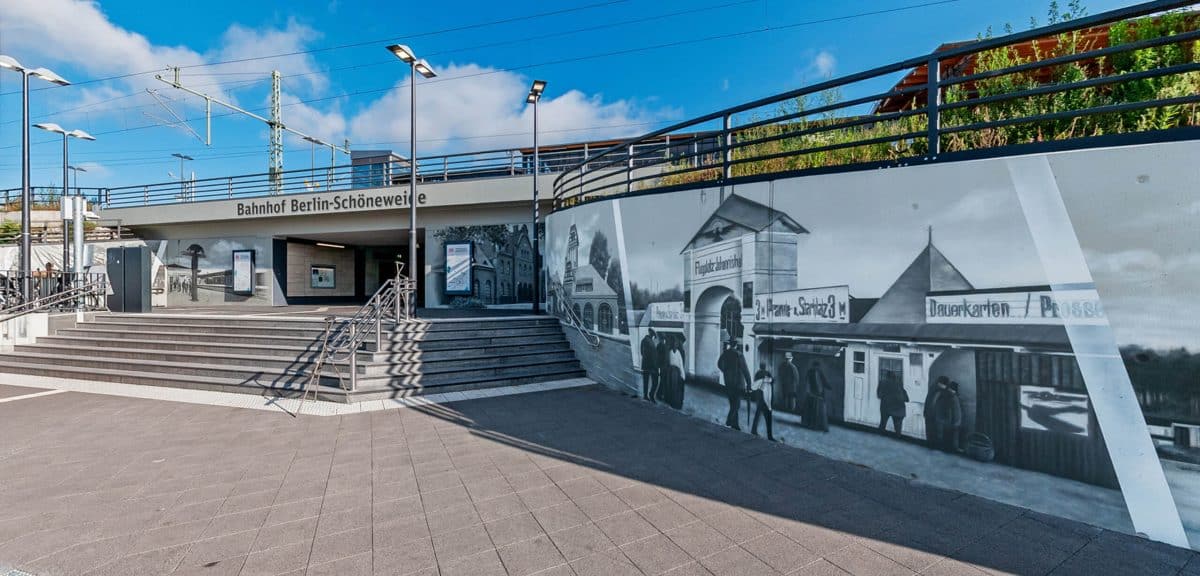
(716, 318)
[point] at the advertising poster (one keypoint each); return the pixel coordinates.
(243, 272)
(323, 277)
(458, 268)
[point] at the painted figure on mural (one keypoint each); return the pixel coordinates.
(816, 408)
(927, 411)
(736, 377)
(650, 366)
(947, 417)
(760, 393)
(893, 400)
(662, 359)
(677, 371)
(788, 382)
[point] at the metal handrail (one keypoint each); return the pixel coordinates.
(88, 296)
(572, 319)
(735, 149)
(341, 341)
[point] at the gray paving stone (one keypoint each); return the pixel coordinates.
(461, 543)
(580, 541)
(735, 561)
(626, 527)
(292, 532)
(530, 556)
(656, 554)
(277, 560)
(560, 517)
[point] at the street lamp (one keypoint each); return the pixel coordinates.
(182, 184)
(11, 63)
(535, 94)
(417, 66)
(312, 158)
(75, 170)
(66, 136)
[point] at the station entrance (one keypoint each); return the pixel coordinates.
(345, 268)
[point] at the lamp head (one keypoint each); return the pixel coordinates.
(538, 87)
(80, 134)
(424, 69)
(10, 63)
(49, 76)
(51, 127)
(531, 98)
(404, 53)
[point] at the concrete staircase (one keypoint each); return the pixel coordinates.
(274, 355)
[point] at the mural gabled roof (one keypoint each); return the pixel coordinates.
(904, 300)
(745, 214)
(600, 287)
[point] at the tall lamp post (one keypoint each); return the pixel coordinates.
(11, 63)
(75, 170)
(417, 66)
(535, 94)
(183, 196)
(66, 137)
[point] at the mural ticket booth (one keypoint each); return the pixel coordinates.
(975, 365)
(744, 246)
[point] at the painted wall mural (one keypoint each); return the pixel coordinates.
(501, 269)
(972, 324)
(199, 271)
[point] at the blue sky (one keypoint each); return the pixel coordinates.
(344, 84)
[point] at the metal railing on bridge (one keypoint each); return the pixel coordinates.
(1125, 76)
(394, 172)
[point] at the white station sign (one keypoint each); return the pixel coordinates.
(811, 305)
(1047, 307)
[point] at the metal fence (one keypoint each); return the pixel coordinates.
(393, 172)
(44, 286)
(1128, 75)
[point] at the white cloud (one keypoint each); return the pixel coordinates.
(824, 64)
(1138, 261)
(95, 45)
(467, 107)
(473, 107)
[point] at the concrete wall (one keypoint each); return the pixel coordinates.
(302, 257)
(1115, 227)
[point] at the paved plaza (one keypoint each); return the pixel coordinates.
(577, 481)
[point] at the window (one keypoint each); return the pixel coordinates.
(604, 319)
(583, 285)
(915, 359)
(860, 362)
(589, 316)
(575, 309)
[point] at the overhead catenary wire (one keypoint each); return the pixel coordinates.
(427, 33)
(569, 60)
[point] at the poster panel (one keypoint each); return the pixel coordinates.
(458, 268)
(243, 271)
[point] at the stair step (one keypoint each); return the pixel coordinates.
(245, 373)
(300, 363)
(480, 378)
(265, 355)
(374, 393)
(327, 391)
(188, 337)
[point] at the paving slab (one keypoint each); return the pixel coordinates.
(571, 481)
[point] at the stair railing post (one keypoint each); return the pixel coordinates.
(378, 325)
(353, 357)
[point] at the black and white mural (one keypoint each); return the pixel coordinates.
(199, 272)
(940, 322)
(502, 266)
